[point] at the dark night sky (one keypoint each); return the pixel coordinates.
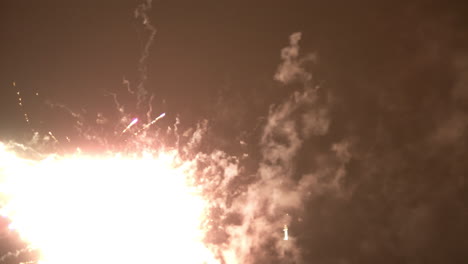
(395, 75)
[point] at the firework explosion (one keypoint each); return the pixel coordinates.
(149, 201)
(146, 200)
(114, 207)
(198, 132)
(80, 209)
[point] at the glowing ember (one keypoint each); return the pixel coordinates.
(115, 209)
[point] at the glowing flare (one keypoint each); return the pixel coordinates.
(134, 121)
(114, 209)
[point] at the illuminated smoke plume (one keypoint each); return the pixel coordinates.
(249, 214)
(378, 178)
(257, 212)
(292, 66)
(141, 12)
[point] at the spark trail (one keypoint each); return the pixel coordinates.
(150, 123)
(134, 121)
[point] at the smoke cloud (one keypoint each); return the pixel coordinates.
(256, 207)
(369, 167)
(141, 12)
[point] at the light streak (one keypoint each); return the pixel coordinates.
(150, 123)
(105, 209)
(134, 121)
(285, 230)
(52, 136)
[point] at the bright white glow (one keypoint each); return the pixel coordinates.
(285, 230)
(134, 121)
(116, 209)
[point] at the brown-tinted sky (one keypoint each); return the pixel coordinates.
(385, 143)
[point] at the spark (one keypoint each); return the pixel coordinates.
(150, 123)
(113, 208)
(26, 118)
(52, 136)
(20, 103)
(134, 121)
